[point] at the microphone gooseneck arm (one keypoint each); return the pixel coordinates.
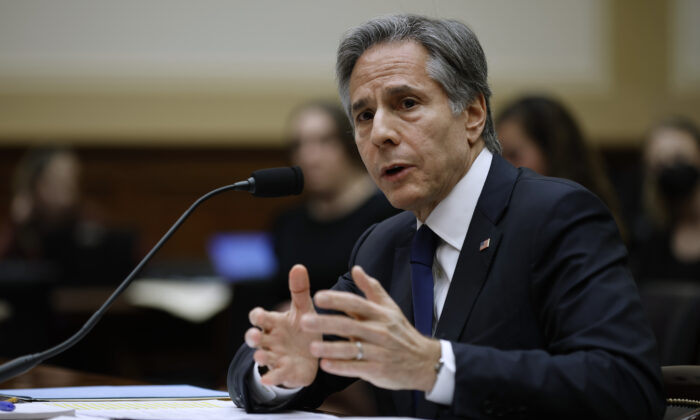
(19, 365)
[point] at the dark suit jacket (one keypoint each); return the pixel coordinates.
(545, 323)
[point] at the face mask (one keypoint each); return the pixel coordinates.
(677, 181)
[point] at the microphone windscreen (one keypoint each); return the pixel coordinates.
(278, 182)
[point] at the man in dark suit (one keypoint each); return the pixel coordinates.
(516, 283)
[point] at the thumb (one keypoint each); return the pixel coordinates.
(300, 290)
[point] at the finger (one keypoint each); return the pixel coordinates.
(269, 337)
(280, 376)
(349, 303)
(253, 337)
(262, 319)
(273, 377)
(343, 350)
(265, 358)
(299, 289)
(342, 326)
(370, 286)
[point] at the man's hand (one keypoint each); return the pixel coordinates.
(394, 354)
(282, 346)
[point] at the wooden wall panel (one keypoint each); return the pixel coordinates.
(147, 189)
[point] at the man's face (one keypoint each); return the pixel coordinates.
(412, 144)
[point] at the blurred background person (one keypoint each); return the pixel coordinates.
(668, 236)
(51, 222)
(340, 202)
(44, 206)
(340, 199)
(539, 133)
(51, 240)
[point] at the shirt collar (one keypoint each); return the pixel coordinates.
(450, 219)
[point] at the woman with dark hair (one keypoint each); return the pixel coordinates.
(45, 204)
(539, 133)
(670, 249)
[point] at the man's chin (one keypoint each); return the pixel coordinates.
(402, 201)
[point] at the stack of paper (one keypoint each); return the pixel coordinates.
(97, 393)
(37, 411)
(171, 402)
(175, 410)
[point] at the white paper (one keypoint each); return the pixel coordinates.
(177, 410)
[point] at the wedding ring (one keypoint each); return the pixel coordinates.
(360, 351)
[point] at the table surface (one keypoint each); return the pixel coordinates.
(47, 376)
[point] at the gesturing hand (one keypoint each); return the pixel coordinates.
(394, 354)
(281, 344)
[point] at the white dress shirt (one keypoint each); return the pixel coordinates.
(450, 221)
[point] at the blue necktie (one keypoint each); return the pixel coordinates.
(422, 253)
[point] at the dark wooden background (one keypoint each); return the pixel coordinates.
(147, 189)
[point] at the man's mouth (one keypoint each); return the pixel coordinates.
(394, 172)
(394, 169)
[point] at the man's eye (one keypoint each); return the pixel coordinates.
(364, 116)
(408, 103)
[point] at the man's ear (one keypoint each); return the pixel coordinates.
(475, 114)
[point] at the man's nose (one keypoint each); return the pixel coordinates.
(384, 129)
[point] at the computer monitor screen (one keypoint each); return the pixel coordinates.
(242, 256)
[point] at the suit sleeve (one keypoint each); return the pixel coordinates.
(599, 361)
(310, 397)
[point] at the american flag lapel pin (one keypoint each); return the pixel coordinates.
(484, 244)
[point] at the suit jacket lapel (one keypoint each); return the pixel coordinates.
(475, 259)
(469, 277)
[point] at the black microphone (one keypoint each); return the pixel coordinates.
(273, 182)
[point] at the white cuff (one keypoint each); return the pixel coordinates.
(444, 388)
(265, 394)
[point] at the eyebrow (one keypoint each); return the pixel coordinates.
(392, 91)
(398, 90)
(358, 104)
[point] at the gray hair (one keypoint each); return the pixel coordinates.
(457, 61)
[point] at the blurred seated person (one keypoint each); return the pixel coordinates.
(539, 133)
(669, 248)
(50, 222)
(340, 202)
(340, 199)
